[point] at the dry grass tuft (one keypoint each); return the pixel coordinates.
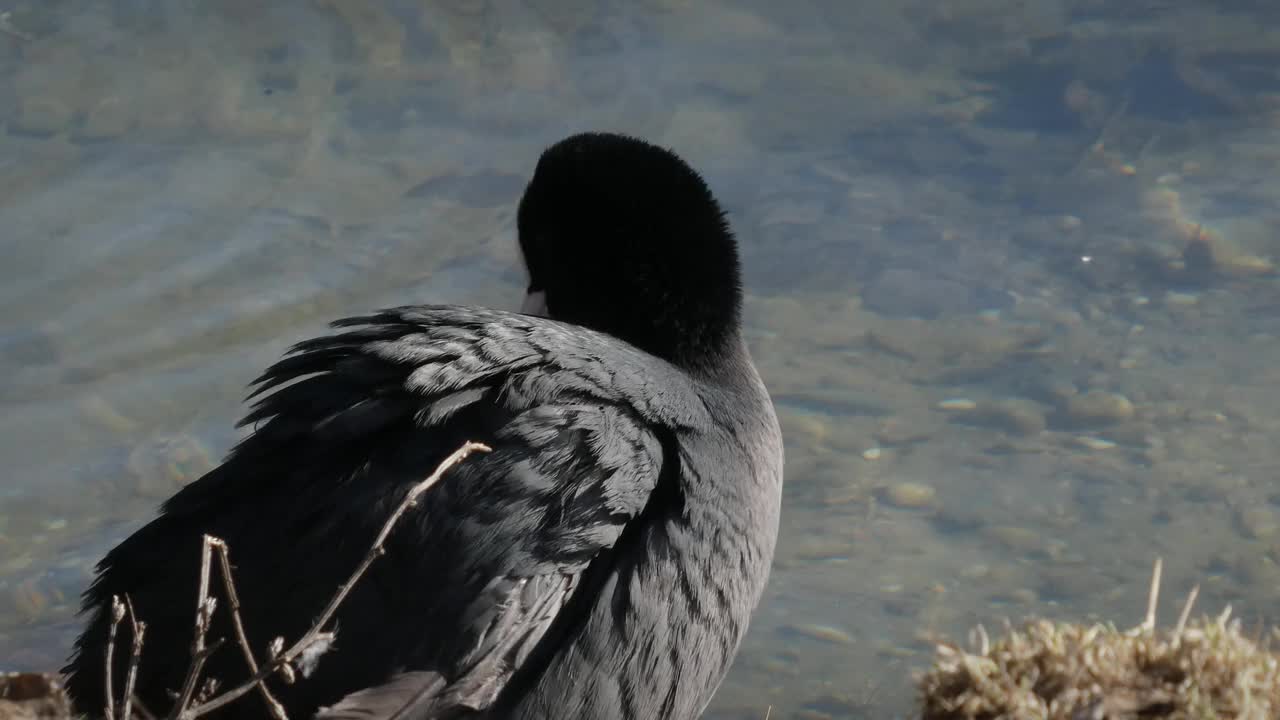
(1199, 669)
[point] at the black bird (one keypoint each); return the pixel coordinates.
(602, 561)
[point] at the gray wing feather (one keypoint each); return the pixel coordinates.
(516, 622)
(576, 462)
(406, 693)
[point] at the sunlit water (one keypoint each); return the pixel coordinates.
(957, 219)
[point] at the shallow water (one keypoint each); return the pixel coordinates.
(1009, 266)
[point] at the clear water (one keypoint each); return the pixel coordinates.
(1004, 205)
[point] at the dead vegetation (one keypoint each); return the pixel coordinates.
(1197, 670)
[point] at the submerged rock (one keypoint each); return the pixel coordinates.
(910, 495)
(1098, 407)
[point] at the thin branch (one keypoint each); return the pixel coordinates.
(316, 634)
(117, 614)
(205, 606)
(135, 656)
(142, 710)
(233, 600)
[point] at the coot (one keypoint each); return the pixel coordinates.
(602, 561)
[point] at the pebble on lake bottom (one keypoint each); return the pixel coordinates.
(910, 495)
(820, 631)
(1015, 538)
(1098, 407)
(1258, 522)
(1012, 415)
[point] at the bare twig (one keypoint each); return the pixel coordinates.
(205, 606)
(141, 710)
(117, 614)
(233, 600)
(135, 656)
(316, 633)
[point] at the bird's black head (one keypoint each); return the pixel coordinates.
(624, 237)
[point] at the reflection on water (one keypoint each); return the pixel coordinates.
(1010, 266)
